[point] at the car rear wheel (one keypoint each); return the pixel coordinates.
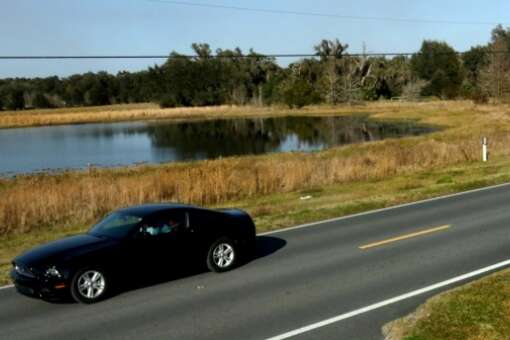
(89, 285)
(222, 255)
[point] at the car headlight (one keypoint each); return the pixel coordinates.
(53, 272)
(23, 271)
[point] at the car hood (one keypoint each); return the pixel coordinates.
(63, 250)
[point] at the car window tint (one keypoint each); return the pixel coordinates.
(116, 225)
(202, 218)
(166, 224)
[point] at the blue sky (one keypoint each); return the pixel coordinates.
(71, 27)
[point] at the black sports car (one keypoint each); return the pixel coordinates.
(141, 240)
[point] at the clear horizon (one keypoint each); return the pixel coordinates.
(141, 27)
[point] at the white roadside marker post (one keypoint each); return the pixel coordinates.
(485, 153)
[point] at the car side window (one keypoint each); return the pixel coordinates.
(150, 229)
(165, 225)
(170, 225)
(200, 219)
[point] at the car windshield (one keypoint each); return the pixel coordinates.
(115, 225)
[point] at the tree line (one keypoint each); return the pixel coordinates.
(231, 77)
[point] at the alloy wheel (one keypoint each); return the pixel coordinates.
(91, 284)
(223, 255)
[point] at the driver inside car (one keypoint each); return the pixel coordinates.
(168, 227)
(149, 229)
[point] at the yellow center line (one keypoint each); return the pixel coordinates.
(404, 237)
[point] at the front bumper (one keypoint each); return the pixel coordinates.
(46, 288)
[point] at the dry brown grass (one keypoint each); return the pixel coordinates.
(111, 113)
(130, 112)
(38, 201)
(147, 111)
(34, 202)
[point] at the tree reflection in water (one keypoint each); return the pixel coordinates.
(227, 137)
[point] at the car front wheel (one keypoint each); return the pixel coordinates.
(89, 285)
(222, 255)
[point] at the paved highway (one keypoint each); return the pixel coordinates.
(302, 277)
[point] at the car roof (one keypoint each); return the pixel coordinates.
(145, 210)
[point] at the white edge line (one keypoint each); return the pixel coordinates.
(382, 209)
(6, 287)
(365, 213)
(389, 301)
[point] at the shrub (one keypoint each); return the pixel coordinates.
(41, 102)
(168, 101)
(298, 93)
(16, 100)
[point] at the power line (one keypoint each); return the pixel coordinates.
(324, 15)
(244, 56)
(182, 56)
(32, 57)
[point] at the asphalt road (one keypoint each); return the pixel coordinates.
(301, 276)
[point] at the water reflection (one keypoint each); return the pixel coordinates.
(75, 146)
(211, 139)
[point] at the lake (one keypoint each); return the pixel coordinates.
(53, 148)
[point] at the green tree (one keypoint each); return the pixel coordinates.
(41, 101)
(356, 81)
(202, 50)
(330, 53)
(298, 93)
(495, 77)
(390, 76)
(98, 94)
(16, 99)
(474, 61)
(270, 89)
(438, 63)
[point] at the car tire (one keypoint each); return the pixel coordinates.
(251, 252)
(89, 285)
(222, 255)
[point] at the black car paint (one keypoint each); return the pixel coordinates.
(119, 257)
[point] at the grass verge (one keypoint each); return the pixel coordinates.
(475, 311)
